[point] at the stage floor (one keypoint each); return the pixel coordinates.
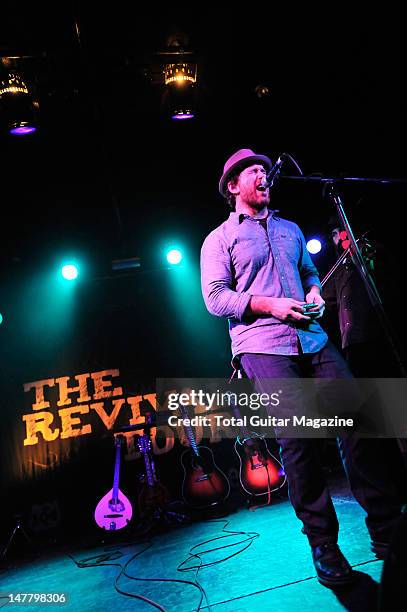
(273, 571)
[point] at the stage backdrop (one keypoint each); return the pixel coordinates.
(78, 363)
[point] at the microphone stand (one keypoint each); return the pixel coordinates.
(332, 195)
(330, 192)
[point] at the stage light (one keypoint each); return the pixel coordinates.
(17, 105)
(180, 101)
(181, 114)
(174, 256)
(69, 271)
(262, 91)
(178, 74)
(180, 79)
(21, 128)
(1, 318)
(314, 246)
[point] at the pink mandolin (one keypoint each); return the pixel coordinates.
(114, 510)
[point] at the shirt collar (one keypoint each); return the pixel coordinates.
(238, 218)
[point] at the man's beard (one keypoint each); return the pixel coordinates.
(259, 204)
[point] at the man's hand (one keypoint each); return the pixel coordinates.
(285, 309)
(315, 296)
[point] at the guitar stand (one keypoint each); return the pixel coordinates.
(18, 527)
(213, 512)
(170, 517)
(253, 505)
(161, 517)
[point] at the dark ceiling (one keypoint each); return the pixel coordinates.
(109, 174)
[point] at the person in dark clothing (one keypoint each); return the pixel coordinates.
(364, 343)
(256, 271)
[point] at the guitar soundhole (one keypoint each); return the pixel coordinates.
(257, 461)
(116, 506)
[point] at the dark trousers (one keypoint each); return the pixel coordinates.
(363, 459)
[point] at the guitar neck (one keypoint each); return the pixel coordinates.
(149, 471)
(116, 469)
(189, 432)
(237, 414)
(144, 447)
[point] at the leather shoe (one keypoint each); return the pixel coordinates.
(331, 566)
(379, 548)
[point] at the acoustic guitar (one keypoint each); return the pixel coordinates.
(260, 473)
(204, 484)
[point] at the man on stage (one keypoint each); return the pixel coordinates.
(256, 271)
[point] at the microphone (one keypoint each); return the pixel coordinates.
(274, 172)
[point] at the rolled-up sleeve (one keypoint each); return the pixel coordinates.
(308, 272)
(217, 280)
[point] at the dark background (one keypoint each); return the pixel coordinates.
(108, 175)
(108, 172)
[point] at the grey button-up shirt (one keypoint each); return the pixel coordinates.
(240, 259)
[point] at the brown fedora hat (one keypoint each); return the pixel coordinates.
(238, 162)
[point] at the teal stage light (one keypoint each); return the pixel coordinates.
(69, 272)
(1, 318)
(174, 256)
